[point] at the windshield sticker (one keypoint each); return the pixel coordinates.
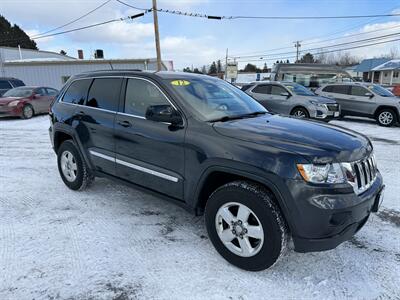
(180, 82)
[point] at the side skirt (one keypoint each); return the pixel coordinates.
(147, 191)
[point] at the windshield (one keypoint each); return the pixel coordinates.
(213, 99)
(18, 92)
(298, 89)
(377, 89)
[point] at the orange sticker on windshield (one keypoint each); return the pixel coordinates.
(180, 82)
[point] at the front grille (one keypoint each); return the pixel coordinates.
(333, 107)
(365, 174)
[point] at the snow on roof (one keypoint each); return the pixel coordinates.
(393, 64)
(39, 59)
(368, 64)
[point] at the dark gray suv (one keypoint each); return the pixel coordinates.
(365, 100)
(290, 98)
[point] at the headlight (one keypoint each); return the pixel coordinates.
(318, 104)
(13, 103)
(322, 173)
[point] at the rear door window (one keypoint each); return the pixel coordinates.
(277, 90)
(358, 91)
(340, 89)
(4, 84)
(262, 89)
(104, 93)
(77, 92)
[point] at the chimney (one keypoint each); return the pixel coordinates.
(80, 54)
(98, 54)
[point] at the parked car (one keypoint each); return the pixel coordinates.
(26, 101)
(8, 83)
(311, 76)
(292, 99)
(366, 100)
(200, 142)
(395, 90)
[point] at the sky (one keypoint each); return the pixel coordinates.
(191, 41)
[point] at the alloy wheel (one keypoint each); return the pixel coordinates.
(239, 229)
(299, 114)
(69, 166)
(28, 112)
(385, 117)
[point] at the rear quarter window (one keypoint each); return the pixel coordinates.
(77, 92)
(328, 89)
(17, 83)
(4, 84)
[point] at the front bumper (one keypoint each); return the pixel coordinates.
(10, 111)
(326, 217)
(327, 113)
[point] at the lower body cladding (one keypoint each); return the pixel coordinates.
(323, 218)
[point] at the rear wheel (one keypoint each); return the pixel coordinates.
(386, 117)
(73, 169)
(246, 226)
(27, 111)
(300, 112)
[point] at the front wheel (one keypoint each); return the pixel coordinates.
(73, 169)
(27, 111)
(386, 118)
(246, 226)
(300, 112)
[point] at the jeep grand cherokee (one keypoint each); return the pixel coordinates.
(258, 178)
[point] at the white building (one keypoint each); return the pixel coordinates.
(389, 72)
(52, 69)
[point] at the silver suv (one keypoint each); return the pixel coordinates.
(292, 99)
(365, 100)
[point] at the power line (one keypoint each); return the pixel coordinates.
(73, 21)
(336, 45)
(324, 52)
(135, 7)
(257, 53)
(189, 14)
(92, 25)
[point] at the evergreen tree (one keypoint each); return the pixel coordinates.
(197, 71)
(265, 68)
(307, 58)
(12, 36)
(213, 68)
(250, 68)
(187, 69)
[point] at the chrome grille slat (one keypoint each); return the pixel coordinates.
(366, 172)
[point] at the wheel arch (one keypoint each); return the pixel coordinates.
(215, 177)
(300, 106)
(382, 107)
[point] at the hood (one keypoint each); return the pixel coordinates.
(6, 100)
(319, 99)
(315, 141)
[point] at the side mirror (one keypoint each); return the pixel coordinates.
(285, 94)
(370, 95)
(163, 113)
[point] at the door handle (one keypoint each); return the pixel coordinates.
(124, 123)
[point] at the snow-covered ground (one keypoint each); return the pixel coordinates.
(114, 242)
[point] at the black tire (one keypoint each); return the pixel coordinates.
(386, 117)
(27, 111)
(297, 111)
(83, 177)
(261, 202)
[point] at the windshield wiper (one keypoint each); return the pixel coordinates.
(236, 117)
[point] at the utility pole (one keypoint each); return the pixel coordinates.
(226, 63)
(297, 45)
(157, 35)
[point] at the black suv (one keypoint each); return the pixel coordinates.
(259, 178)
